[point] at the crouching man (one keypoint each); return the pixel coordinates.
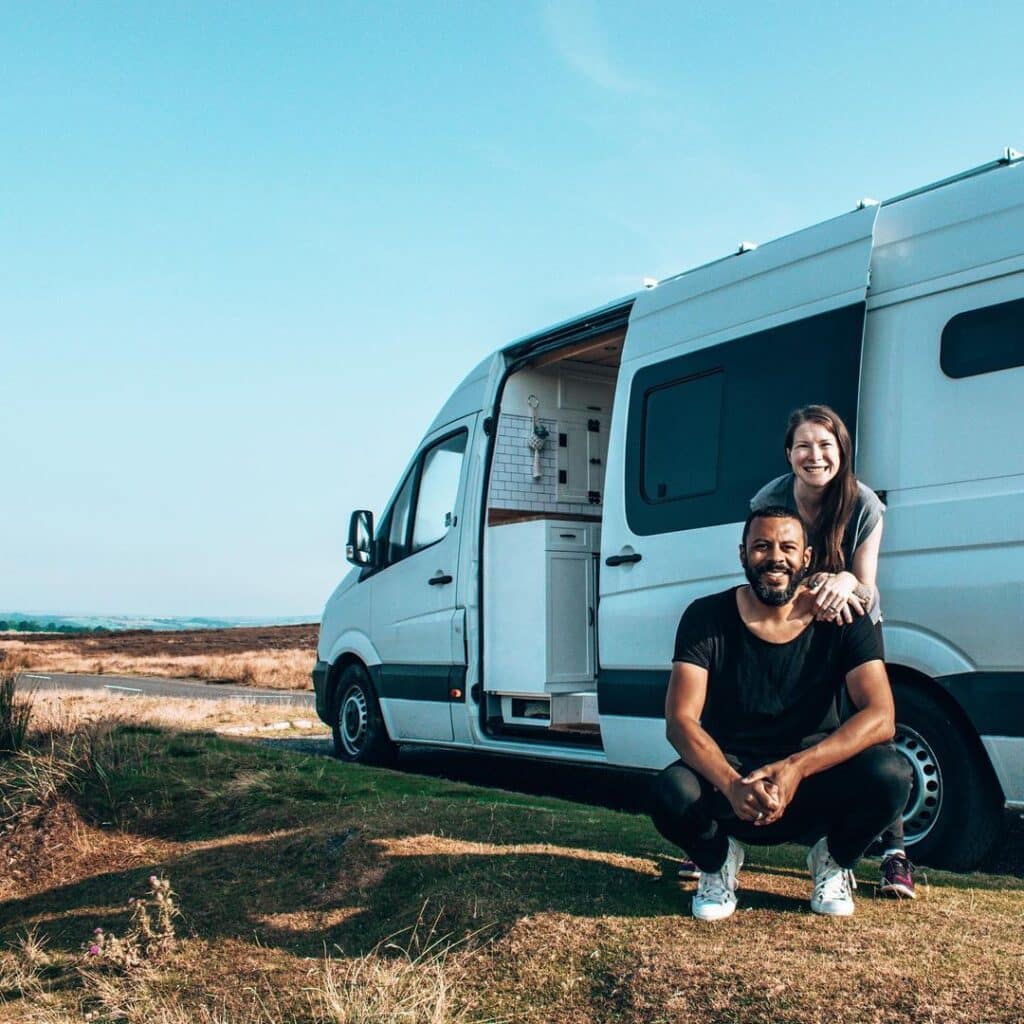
(753, 710)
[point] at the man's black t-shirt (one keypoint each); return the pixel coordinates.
(766, 698)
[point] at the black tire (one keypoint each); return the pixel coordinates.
(360, 735)
(954, 813)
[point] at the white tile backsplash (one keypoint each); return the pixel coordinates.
(512, 484)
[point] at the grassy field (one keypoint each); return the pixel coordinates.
(274, 657)
(318, 892)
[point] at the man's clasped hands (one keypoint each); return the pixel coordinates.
(763, 796)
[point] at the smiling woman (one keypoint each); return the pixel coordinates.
(842, 515)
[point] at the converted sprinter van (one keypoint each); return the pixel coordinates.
(584, 484)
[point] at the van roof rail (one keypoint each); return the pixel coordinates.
(1010, 156)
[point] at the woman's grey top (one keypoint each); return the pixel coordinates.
(866, 515)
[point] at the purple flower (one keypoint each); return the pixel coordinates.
(94, 951)
(97, 931)
(153, 880)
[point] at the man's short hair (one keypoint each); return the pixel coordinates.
(773, 512)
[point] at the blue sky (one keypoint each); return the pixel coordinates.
(246, 250)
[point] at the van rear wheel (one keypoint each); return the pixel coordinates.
(360, 735)
(954, 814)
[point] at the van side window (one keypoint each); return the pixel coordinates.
(439, 487)
(398, 530)
(983, 340)
(422, 511)
(704, 428)
(680, 446)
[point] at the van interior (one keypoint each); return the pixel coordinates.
(542, 542)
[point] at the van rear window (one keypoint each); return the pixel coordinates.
(983, 340)
(680, 449)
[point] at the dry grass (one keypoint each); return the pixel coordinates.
(279, 657)
(275, 670)
(75, 711)
(304, 884)
(22, 966)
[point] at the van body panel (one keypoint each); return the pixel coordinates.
(818, 269)
(991, 700)
(913, 646)
(1007, 756)
(946, 453)
(469, 397)
(357, 642)
(928, 237)
(639, 742)
(345, 624)
(908, 402)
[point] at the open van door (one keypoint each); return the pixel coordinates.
(418, 614)
(713, 363)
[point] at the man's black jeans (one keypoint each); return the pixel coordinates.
(850, 803)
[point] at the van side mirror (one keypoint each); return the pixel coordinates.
(360, 548)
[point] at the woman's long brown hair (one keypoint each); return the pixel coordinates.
(840, 497)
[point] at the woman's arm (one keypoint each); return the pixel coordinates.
(838, 596)
(865, 566)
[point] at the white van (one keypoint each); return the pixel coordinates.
(583, 485)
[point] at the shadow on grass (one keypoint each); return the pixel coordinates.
(626, 790)
(311, 888)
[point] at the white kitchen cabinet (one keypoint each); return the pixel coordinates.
(580, 458)
(570, 616)
(540, 606)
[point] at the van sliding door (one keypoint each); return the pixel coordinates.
(714, 361)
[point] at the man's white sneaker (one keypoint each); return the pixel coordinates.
(832, 883)
(715, 898)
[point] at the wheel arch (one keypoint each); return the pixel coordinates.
(341, 663)
(928, 687)
(353, 647)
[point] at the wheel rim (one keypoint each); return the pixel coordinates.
(352, 721)
(925, 801)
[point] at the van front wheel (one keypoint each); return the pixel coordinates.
(358, 728)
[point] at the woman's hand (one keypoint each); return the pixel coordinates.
(834, 598)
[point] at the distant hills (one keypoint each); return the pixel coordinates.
(36, 622)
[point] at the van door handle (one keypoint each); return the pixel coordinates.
(439, 580)
(623, 559)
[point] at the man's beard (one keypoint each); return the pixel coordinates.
(769, 595)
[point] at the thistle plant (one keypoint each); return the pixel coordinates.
(150, 931)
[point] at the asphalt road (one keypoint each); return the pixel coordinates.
(130, 686)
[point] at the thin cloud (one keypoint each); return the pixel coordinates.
(574, 31)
